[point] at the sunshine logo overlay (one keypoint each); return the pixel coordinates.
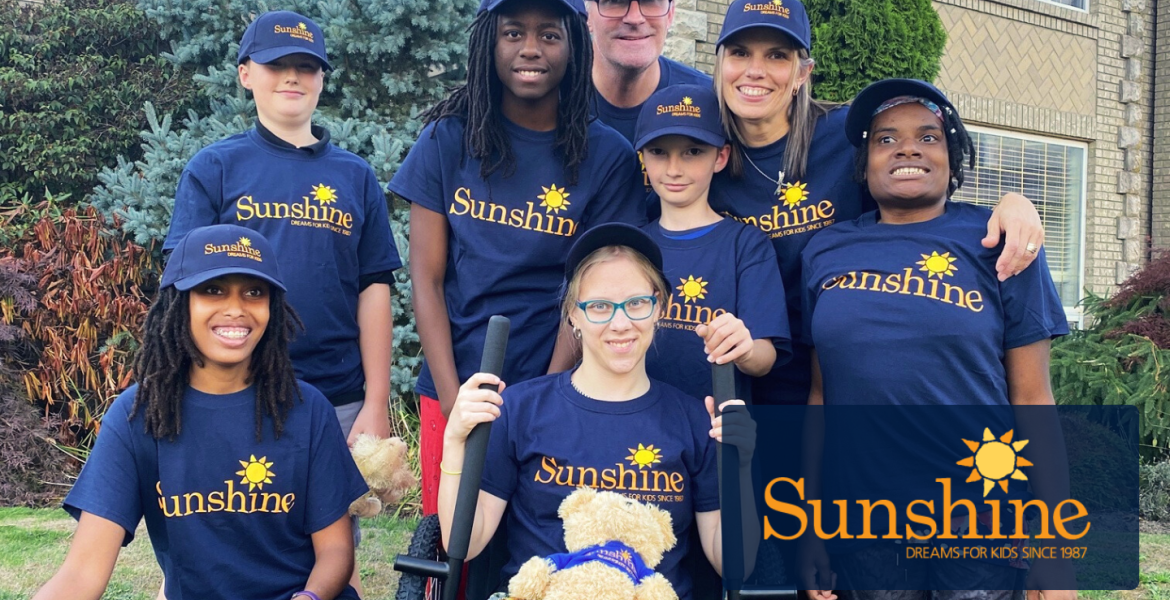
(939, 497)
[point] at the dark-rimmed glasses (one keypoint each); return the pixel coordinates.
(616, 9)
(600, 312)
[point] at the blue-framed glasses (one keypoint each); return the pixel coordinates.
(601, 312)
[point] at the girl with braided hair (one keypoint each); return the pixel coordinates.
(507, 172)
(237, 467)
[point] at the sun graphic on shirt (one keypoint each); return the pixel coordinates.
(937, 265)
(554, 200)
(794, 193)
(255, 472)
(245, 242)
(995, 461)
(324, 194)
(692, 289)
(644, 456)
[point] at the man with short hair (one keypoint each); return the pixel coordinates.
(628, 66)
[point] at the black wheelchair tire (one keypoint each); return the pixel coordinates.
(425, 543)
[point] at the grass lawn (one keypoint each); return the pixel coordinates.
(33, 543)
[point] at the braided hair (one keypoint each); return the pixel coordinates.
(477, 102)
(959, 147)
(163, 364)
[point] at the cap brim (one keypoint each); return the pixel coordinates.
(574, 6)
(191, 281)
(869, 99)
(692, 132)
(612, 234)
(785, 30)
(274, 54)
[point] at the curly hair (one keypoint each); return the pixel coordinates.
(477, 102)
(163, 364)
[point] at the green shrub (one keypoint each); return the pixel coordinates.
(1155, 491)
(857, 42)
(73, 77)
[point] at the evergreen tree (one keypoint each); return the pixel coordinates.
(385, 57)
(857, 42)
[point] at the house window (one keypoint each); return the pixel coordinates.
(1077, 4)
(1051, 173)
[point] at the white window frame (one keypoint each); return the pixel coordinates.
(1073, 312)
(1068, 6)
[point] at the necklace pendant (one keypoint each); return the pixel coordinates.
(780, 189)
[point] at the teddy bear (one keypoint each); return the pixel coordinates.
(614, 544)
(382, 463)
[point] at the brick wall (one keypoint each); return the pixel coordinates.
(1038, 67)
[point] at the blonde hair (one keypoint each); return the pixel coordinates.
(803, 114)
(607, 253)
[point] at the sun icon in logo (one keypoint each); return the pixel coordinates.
(255, 472)
(692, 289)
(995, 461)
(301, 26)
(245, 242)
(324, 194)
(778, 2)
(687, 100)
(554, 200)
(794, 193)
(937, 265)
(644, 456)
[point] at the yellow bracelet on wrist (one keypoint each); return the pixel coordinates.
(444, 470)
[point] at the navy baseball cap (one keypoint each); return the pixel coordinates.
(577, 6)
(690, 110)
(786, 16)
(613, 234)
(217, 250)
(861, 112)
(274, 35)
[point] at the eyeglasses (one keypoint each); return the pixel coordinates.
(616, 9)
(601, 312)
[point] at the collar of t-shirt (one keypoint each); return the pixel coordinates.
(313, 149)
(688, 234)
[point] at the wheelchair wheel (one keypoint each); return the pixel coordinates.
(425, 543)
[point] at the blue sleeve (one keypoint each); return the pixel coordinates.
(376, 250)
(705, 476)
(109, 485)
(419, 180)
(198, 199)
(760, 299)
(334, 479)
(501, 471)
(1031, 307)
(808, 298)
(620, 197)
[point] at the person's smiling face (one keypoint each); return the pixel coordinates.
(286, 90)
(532, 52)
(908, 165)
(229, 315)
(632, 42)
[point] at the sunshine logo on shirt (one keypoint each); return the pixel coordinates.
(637, 475)
(906, 283)
(683, 310)
(552, 199)
(790, 214)
(313, 210)
(255, 474)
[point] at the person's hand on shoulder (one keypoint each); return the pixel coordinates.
(1023, 234)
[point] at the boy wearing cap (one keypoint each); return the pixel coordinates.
(727, 300)
(324, 211)
(239, 469)
(903, 307)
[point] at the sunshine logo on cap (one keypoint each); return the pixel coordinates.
(240, 249)
(300, 32)
(774, 8)
(685, 108)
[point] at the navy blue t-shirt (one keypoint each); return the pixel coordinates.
(324, 213)
(729, 268)
(914, 315)
(826, 195)
(550, 439)
(625, 120)
(221, 507)
(509, 236)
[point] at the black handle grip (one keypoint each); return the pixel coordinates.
(474, 455)
(722, 384)
(723, 389)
